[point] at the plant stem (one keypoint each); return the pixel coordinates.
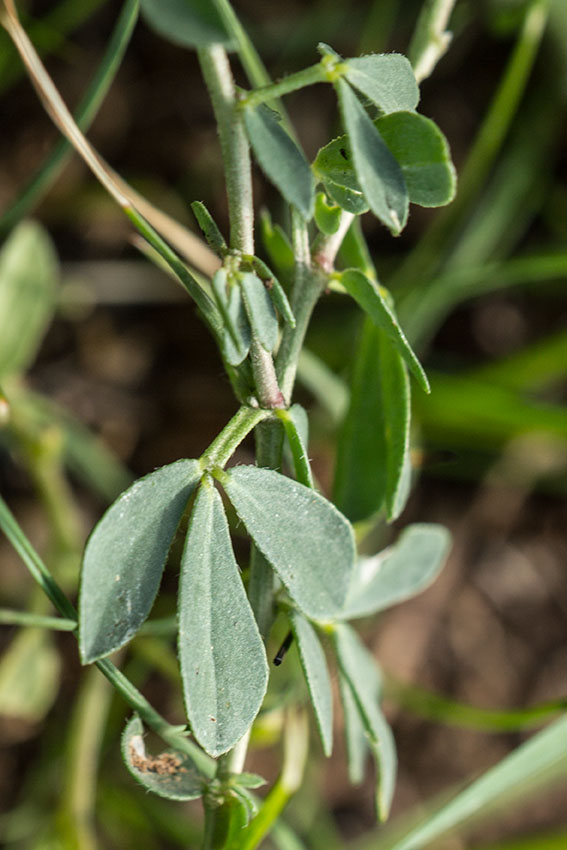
(224, 445)
(307, 288)
(314, 74)
(170, 734)
(234, 146)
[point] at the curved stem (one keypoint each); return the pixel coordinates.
(225, 444)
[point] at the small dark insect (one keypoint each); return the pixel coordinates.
(283, 649)
(343, 153)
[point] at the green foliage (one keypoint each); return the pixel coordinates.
(223, 661)
(316, 675)
(307, 541)
(28, 279)
(373, 463)
(188, 23)
(260, 310)
(386, 79)
(125, 556)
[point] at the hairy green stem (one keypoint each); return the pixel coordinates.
(234, 146)
(308, 76)
(225, 444)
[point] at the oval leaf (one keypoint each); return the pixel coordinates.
(236, 333)
(280, 159)
(188, 23)
(423, 154)
(316, 675)
(28, 283)
(172, 774)
(376, 169)
(368, 295)
(308, 542)
(260, 310)
(223, 661)
(387, 79)
(399, 572)
(359, 668)
(125, 556)
(373, 462)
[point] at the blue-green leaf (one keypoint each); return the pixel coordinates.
(308, 542)
(236, 332)
(377, 171)
(219, 287)
(334, 167)
(28, 284)
(171, 774)
(316, 675)
(188, 23)
(223, 661)
(280, 159)
(373, 460)
(368, 295)
(359, 669)
(209, 228)
(399, 572)
(260, 310)
(387, 79)
(422, 151)
(355, 736)
(125, 556)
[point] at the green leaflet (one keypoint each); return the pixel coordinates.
(373, 462)
(358, 667)
(223, 661)
(30, 670)
(296, 426)
(420, 149)
(28, 283)
(188, 23)
(260, 310)
(171, 774)
(209, 228)
(235, 335)
(376, 169)
(355, 736)
(280, 159)
(399, 572)
(368, 295)
(307, 541)
(423, 154)
(327, 215)
(386, 79)
(316, 675)
(274, 287)
(278, 246)
(125, 556)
